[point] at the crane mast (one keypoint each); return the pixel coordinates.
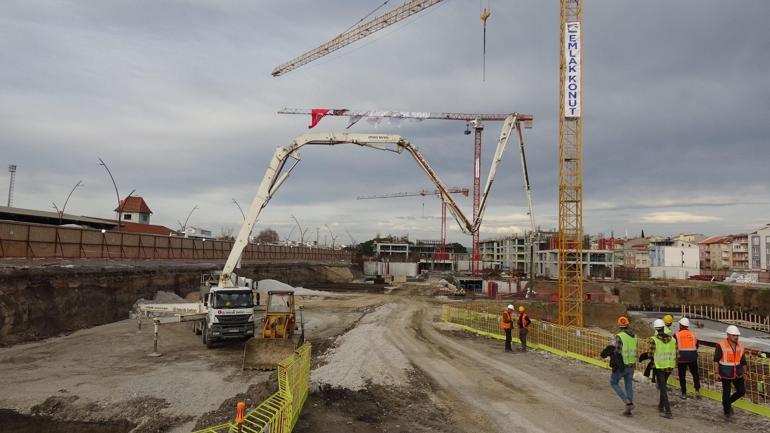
(570, 241)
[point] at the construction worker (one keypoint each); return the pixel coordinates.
(625, 344)
(730, 368)
(663, 353)
(523, 323)
(687, 343)
(668, 320)
(506, 324)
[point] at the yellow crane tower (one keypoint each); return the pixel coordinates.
(570, 233)
(570, 242)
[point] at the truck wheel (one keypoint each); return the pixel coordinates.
(206, 337)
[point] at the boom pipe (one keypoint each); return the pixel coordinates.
(356, 33)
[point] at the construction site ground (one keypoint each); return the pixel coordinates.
(382, 363)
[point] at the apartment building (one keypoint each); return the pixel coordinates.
(740, 252)
(759, 249)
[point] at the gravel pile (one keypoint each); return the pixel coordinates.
(364, 355)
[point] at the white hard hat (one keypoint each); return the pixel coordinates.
(684, 322)
(658, 323)
(510, 307)
(733, 330)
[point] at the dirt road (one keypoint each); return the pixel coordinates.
(492, 391)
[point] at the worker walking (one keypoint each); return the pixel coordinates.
(523, 323)
(622, 353)
(730, 368)
(506, 324)
(687, 343)
(663, 352)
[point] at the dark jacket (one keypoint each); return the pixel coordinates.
(616, 358)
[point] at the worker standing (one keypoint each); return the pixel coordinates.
(730, 368)
(506, 324)
(625, 343)
(668, 320)
(663, 352)
(523, 323)
(687, 343)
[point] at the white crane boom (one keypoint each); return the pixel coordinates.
(273, 179)
(356, 33)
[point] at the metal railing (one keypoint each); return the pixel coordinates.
(747, 320)
(280, 412)
(25, 240)
(586, 345)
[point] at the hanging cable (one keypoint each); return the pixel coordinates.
(485, 14)
(367, 15)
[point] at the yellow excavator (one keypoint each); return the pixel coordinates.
(277, 338)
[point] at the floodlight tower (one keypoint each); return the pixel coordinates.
(12, 170)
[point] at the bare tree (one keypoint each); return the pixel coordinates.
(267, 236)
(226, 233)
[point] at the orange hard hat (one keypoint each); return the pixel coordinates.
(623, 321)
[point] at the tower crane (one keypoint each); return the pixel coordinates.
(570, 233)
(442, 254)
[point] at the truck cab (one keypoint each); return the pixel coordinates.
(231, 312)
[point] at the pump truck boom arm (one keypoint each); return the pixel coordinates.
(275, 176)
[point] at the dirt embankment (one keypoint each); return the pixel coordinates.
(43, 301)
(673, 294)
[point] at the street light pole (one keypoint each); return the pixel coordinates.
(240, 209)
(61, 212)
(117, 194)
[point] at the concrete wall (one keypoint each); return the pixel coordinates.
(408, 269)
(672, 272)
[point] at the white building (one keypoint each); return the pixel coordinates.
(197, 233)
(510, 253)
(677, 260)
(759, 249)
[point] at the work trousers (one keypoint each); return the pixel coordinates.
(627, 374)
(661, 378)
(508, 338)
(523, 338)
(727, 399)
(693, 366)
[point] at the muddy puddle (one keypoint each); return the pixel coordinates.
(14, 422)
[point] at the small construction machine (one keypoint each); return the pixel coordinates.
(277, 338)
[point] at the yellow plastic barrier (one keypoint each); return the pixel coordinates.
(280, 412)
(586, 345)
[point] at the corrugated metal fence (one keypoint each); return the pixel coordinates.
(24, 240)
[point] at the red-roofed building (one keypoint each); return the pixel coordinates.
(135, 210)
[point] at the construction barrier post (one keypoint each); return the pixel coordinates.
(155, 352)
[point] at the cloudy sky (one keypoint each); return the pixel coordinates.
(177, 97)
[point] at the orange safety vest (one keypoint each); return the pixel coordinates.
(507, 322)
(730, 364)
(686, 340)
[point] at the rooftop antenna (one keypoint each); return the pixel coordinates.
(12, 170)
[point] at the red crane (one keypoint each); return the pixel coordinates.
(442, 254)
